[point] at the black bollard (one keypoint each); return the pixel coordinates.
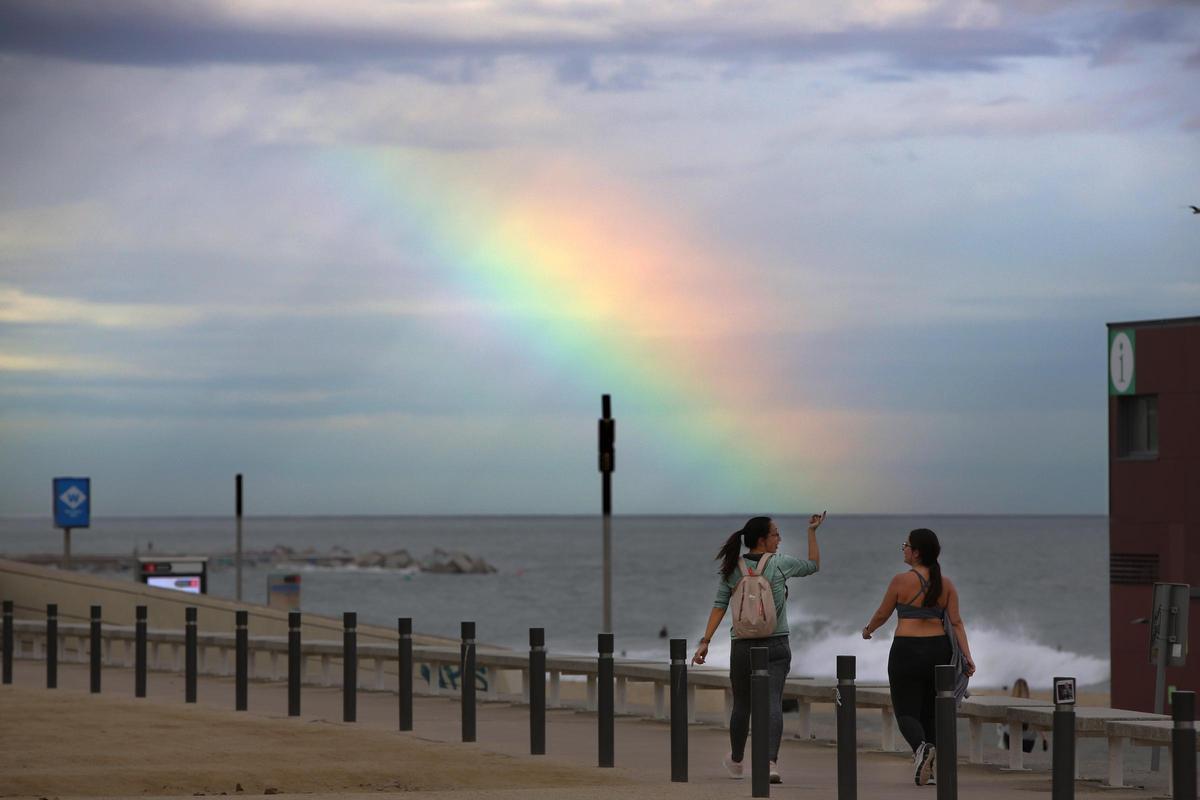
(242, 657)
(406, 673)
(604, 700)
(189, 655)
(52, 646)
(537, 691)
(679, 711)
(847, 728)
(760, 722)
(139, 652)
(945, 709)
(95, 649)
(1183, 745)
(349, 666)
(293, 663)
(9, 640)
(1062, 758)
(466, 681)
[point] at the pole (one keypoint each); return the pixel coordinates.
(679, 711)
(189, 656)
(139, 652)
(760, 711)
(537, 691)
(945, 710)
(242, 636)
(52, 646)
(1062, 758)
(294, 663)
(608, 436)
(66, 548)
(466, 677)
(349, 666)
(237, 559)
(9, 640)
(1163, 643)
(95, 650)
(1160, 691)
(606, 732)
(1183, 745)
(404, 625)
(847, 728)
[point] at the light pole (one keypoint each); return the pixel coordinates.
(608, 435)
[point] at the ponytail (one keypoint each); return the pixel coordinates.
(925, 542)
(756, 528)
(935, 584)
(729, 553)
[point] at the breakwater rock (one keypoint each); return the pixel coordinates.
(455, 562)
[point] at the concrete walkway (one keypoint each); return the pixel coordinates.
(642, 746)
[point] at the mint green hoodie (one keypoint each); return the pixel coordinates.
(779, 569)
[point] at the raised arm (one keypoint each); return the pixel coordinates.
(960, 630)
(886, 607)
(814, 550)
(714, 622)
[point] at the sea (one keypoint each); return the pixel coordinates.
(1033, 589)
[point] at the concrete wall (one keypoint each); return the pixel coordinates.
(32, 587)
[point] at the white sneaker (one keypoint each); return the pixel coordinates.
(734, 768)
(773, 770)
(923, 763)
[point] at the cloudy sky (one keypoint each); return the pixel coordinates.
(384, 257)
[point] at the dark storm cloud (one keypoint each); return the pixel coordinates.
(1167, 23)
(169, 32)
(166, 32)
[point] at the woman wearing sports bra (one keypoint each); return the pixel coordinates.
(923, 600)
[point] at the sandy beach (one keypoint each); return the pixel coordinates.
(66, 743)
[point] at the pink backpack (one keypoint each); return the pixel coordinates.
(752, 602)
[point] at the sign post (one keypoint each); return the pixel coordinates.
(72, 509)
(1062, 778)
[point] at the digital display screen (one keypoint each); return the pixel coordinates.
(181, 583)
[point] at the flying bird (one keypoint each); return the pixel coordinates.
(1194, 209)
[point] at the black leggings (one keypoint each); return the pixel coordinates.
(779, 663)
(910, 673)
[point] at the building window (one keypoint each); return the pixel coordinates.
(1137, 426)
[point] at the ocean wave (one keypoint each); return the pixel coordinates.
(1001, 655)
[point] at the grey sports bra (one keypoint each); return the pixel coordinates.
(909, 611)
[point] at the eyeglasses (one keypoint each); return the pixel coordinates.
(906, 546)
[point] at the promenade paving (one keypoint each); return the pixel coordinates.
(642, 747)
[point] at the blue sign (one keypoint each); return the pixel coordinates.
(72, 502)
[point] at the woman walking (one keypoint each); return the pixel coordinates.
(754, 617)
(924, 601)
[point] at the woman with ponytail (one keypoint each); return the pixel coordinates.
(760, 536)
(926, 605)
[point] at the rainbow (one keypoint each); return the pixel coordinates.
(596, 285)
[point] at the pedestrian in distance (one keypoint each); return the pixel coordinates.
(1029, 736)
(753, 586)
(929, 632)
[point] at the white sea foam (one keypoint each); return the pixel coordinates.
(1001, 655)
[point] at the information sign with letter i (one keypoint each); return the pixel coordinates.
(1122, 379)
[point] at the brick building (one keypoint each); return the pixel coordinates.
(1153, 493)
